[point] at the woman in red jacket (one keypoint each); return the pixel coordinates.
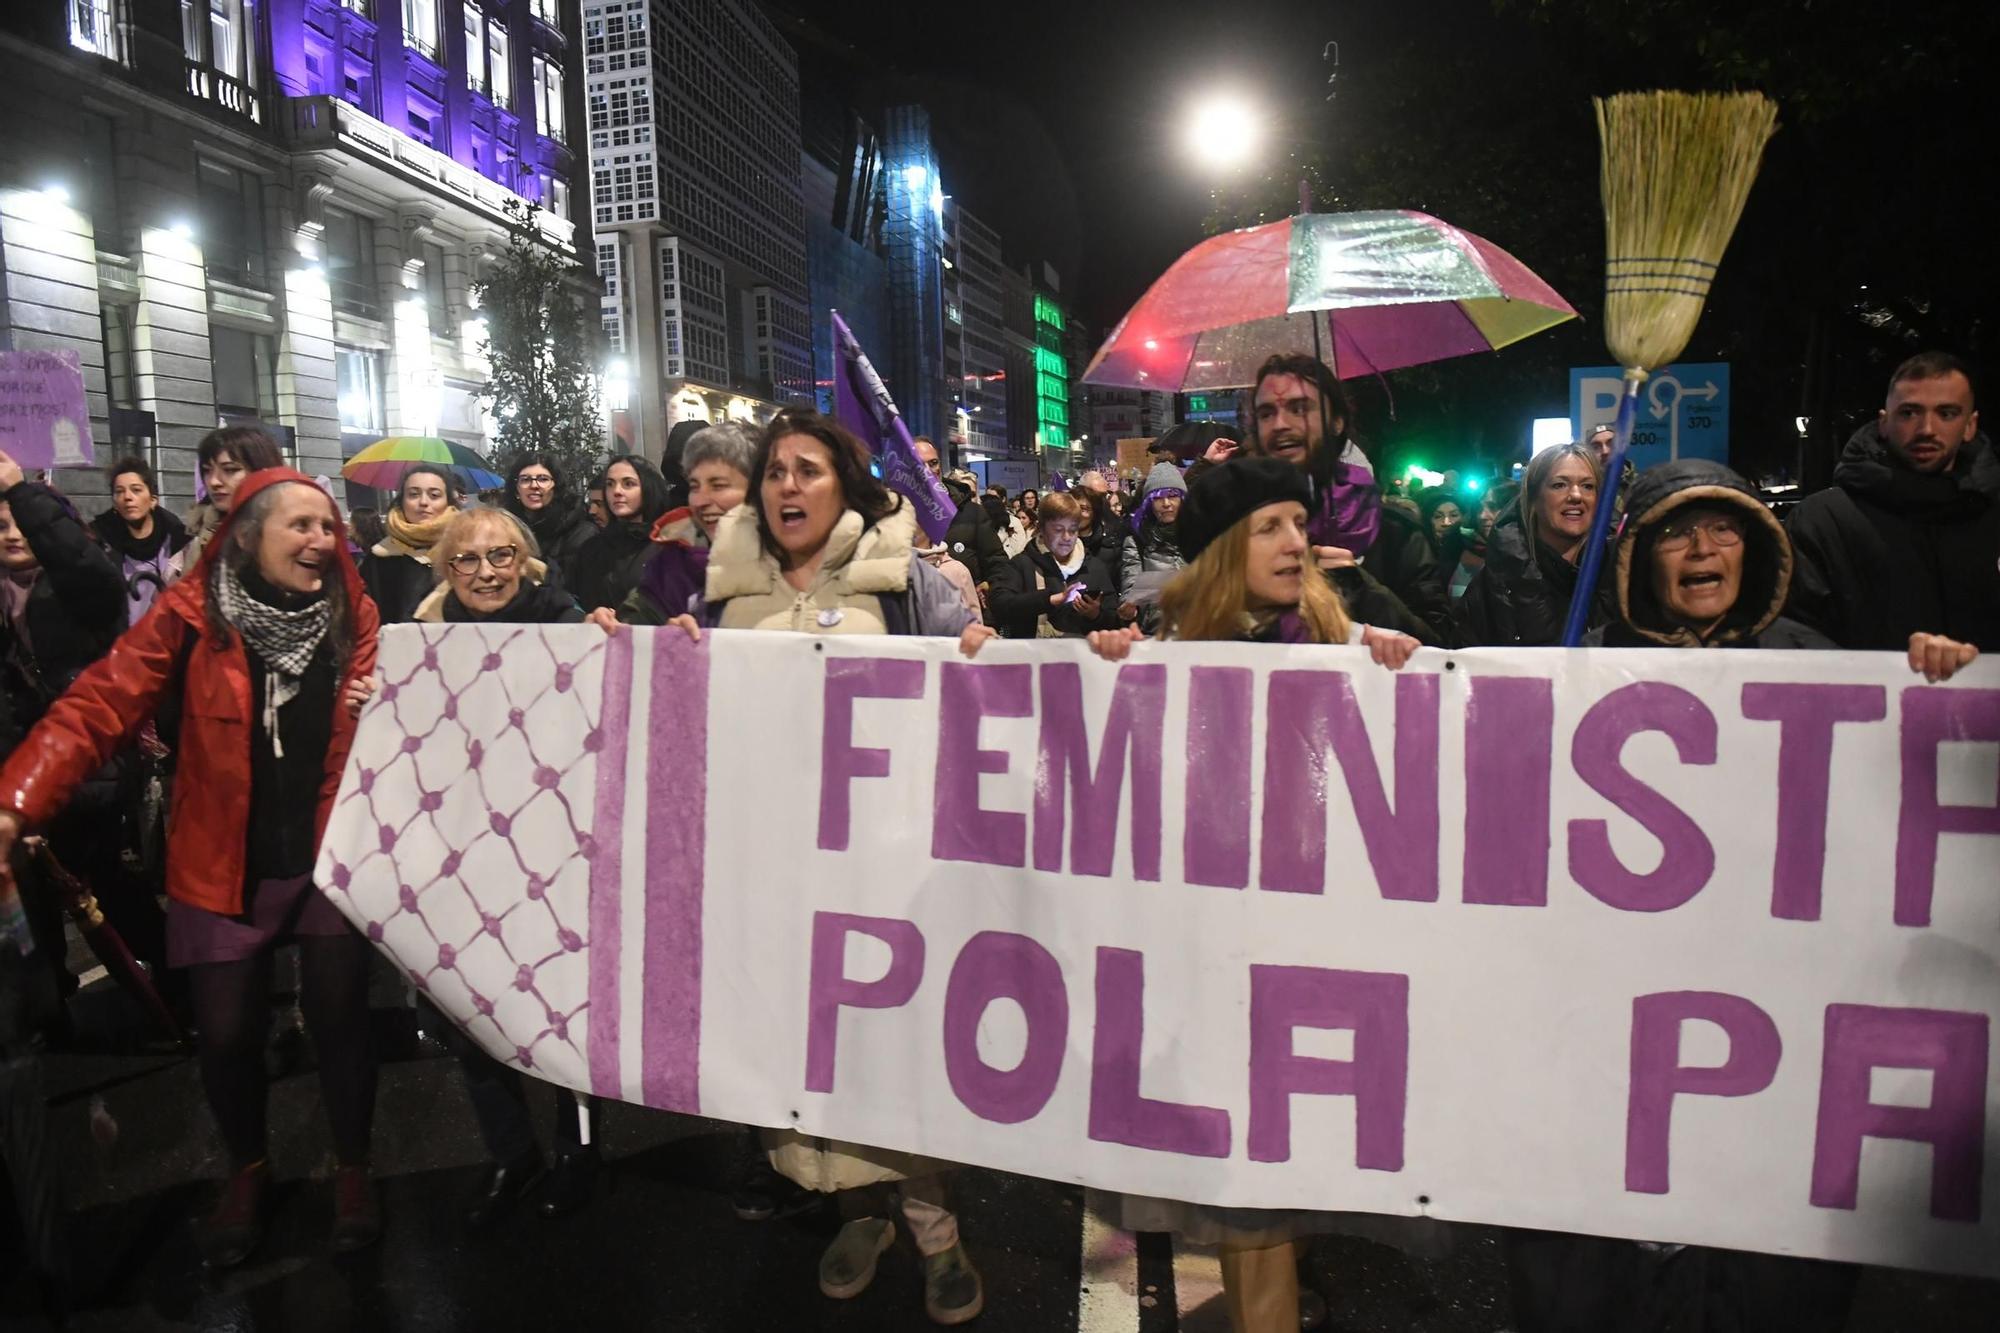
(268, 648)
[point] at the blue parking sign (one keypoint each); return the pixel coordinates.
(1683, 410)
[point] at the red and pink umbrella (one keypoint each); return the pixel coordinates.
(1395, 289)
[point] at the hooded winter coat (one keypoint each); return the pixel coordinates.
(148, 563)
(208, 827)
(1754, 621)
(1886, 552)
(871, 581)
(1520, 598)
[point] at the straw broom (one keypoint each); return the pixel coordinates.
(1677, 168)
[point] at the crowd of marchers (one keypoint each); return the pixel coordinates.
(225, 661)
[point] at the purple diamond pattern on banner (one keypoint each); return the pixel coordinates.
(480, 866)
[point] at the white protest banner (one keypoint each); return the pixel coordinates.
(1697, 947)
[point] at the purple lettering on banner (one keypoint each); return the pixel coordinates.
(830, 987)
(1311, 712)
(1119, 1111)
(1806, 716)
(1687, 858)
(1931, 716)
(994, 965)
(841, 761)
(960, 829)
(1509, 748)
(676, 823)
(1136, 722)
(1215, 842)
(607, 869)
(1952, 1046)
(1658, 1075)
(1375, 1006)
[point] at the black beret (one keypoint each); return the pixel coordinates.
(1228, 493)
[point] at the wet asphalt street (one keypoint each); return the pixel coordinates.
(659, 1247)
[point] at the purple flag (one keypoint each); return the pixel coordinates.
(1056, 482)
(862, 404)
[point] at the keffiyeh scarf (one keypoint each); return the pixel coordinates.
(284, 641)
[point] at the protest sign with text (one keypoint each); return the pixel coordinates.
(1684, 946)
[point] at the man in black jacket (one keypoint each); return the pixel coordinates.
(971, 538)
(1907, 539)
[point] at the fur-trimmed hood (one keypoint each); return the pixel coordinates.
(1656, 496)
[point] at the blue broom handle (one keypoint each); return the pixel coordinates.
(1600, 521)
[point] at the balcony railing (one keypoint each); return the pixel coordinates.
(212, 85)
(354, 298)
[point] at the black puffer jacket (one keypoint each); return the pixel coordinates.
(1520, 599)
(608, 567)
(561, 530)
(1754, 621)
(1405, 564)
(1885, 552)
(75, 610)
(972, 539)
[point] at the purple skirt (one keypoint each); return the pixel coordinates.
(275, 910)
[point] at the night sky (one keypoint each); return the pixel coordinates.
(1059, 124)
(1869, 234)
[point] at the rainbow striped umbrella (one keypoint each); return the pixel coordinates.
(382, 463)
(1394, 288)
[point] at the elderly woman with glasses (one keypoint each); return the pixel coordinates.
(1701, 564)
(491, 572)
(490, 568)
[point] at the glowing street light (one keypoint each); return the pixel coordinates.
(1223, 132)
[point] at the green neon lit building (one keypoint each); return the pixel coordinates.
(1051, 377)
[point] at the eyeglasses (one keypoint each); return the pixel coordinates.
(1720, 529)
(530, 479)
(499, 557)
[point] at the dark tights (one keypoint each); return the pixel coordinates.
(232, 1006)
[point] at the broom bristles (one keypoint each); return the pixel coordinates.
(1677, 168)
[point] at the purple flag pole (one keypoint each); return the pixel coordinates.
(862, 404)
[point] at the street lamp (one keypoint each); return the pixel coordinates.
(1223, 131)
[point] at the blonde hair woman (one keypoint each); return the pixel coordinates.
(1253, 576)
(489, 567)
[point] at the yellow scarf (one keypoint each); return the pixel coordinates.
(412, 539)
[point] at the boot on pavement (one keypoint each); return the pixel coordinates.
(501, 1186)
(232, 1231)
(848, 1265)
(570, 1184)
(357, 1214)
(953, 1293)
